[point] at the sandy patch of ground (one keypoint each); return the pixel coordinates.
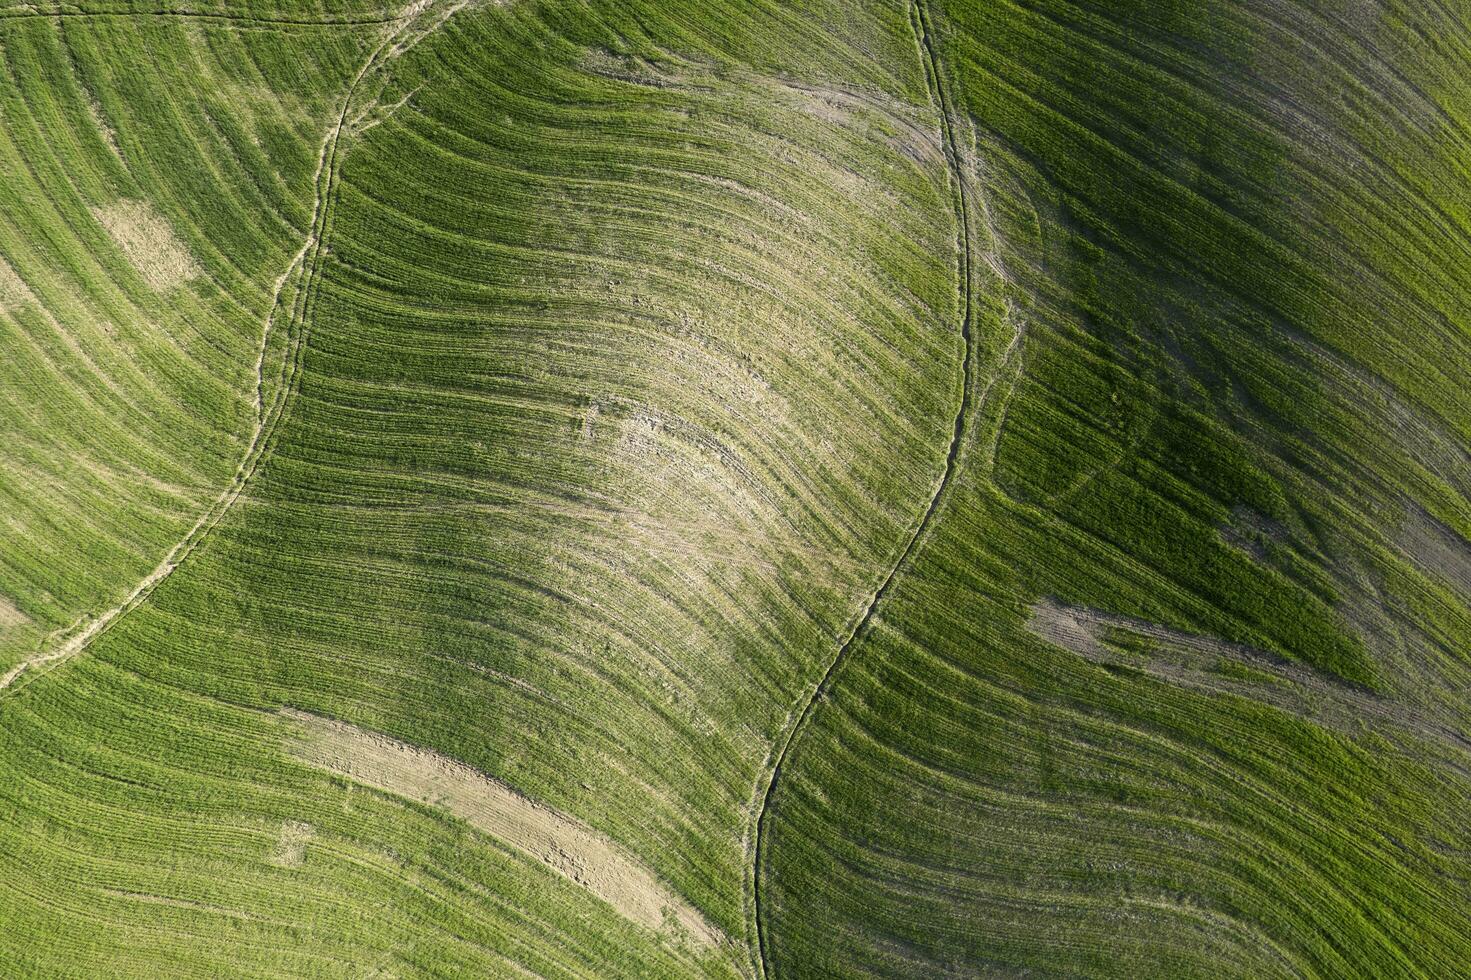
(148, 242)
(1251, 533)
(1437, 549)
(590, 420)
(11, 617)
(894, 122)
(290, 849)
(573, 850)
(630, 68)
(178, 903)
(109, 135)
(13, 290)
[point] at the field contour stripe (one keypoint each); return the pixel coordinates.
(31, 13)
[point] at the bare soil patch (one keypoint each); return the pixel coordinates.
(290, 849)
(1251, 533)
(1437, 549)
(14, 293)
(109, 135)
(1216, 666)
(573, 850)
(11, 617)
(148, 242)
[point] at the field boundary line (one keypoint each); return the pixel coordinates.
(961, 197)
(307, 262)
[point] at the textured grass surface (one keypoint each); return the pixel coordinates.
(1223, 403)
(944, 488)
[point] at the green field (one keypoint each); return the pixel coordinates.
(818, 488)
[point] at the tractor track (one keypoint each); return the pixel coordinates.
(920, 22)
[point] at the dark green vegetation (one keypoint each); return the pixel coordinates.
(1035, 432)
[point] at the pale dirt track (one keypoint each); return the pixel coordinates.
(571, 849)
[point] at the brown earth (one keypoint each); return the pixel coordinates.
(149, 243)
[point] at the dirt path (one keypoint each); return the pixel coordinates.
(417, 20)
(568, 847)
(964, 211)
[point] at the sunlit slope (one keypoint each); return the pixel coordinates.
(625, 369)
(157, 180)
(1177, 684)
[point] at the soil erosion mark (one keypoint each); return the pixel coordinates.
(1205, 664)
(935, 79)
(571, 849)
(307, 264)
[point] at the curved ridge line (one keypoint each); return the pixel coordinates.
(267, 418)
(919, 21)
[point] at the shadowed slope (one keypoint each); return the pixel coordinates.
(1232, 283)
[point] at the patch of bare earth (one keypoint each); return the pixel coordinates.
(888, 119)
(177, 903)
(630, 68)
(14, 293)
(1251, 533)
(1437, 549)
(1216, 666)
(148, 242)
(290, 849)
(11, 617)
(573, 850)
(109, 135)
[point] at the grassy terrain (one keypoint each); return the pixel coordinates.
(126, 397)
(1224, 419)
(928, 488)
(547, 495)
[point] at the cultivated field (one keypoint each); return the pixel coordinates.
(642, 488)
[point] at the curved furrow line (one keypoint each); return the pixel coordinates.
(31, 13)
(308, 264)
(923, 32)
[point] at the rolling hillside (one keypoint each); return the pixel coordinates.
(869, 488)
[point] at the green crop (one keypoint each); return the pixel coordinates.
(942, 488)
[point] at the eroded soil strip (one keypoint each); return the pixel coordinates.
(1205, 663)
(573, 850)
